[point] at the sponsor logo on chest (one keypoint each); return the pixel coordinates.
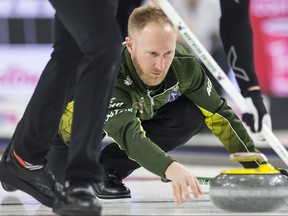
(173, 94)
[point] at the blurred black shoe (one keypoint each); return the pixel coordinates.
(77, 199)
(39, 183)
(111, 187)
(8, 187)
(8, 150)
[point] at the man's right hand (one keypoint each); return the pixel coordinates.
(182, 179)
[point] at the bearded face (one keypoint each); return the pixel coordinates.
(152, 51)
(150, 76)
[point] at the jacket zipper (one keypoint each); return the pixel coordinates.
(152, 101)
(152, 98)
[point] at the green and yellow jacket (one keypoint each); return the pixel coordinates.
(132, 102)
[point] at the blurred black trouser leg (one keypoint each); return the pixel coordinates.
(237, 37)
(93, 29)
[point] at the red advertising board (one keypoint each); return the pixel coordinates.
(269, 19)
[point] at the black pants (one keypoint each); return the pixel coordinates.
(87, 49)
(174, 125)
(125, 8)
(237, 38)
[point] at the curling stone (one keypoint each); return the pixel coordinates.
(263, 189)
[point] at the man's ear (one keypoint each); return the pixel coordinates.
(129, 44)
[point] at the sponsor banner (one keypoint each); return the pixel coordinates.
(26, 9)
(269, 20)
(20, 69)
(10, 113)
(275, 34)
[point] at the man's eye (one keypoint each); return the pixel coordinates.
(168, 53)
(154, 54)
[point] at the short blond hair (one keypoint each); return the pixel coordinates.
(144, 15)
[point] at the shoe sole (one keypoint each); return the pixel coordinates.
(7, 178)
(8, 188)
(71, 210)
(111, 197)
(119, 200)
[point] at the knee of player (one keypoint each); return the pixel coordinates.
(194, 119)
(66, 50)
(194, 124)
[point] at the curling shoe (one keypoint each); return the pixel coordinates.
(8, 150)
(8, 187)
(39, 183)
(111, 187)
(77, 198)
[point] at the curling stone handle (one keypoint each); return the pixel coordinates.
(249, 156)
